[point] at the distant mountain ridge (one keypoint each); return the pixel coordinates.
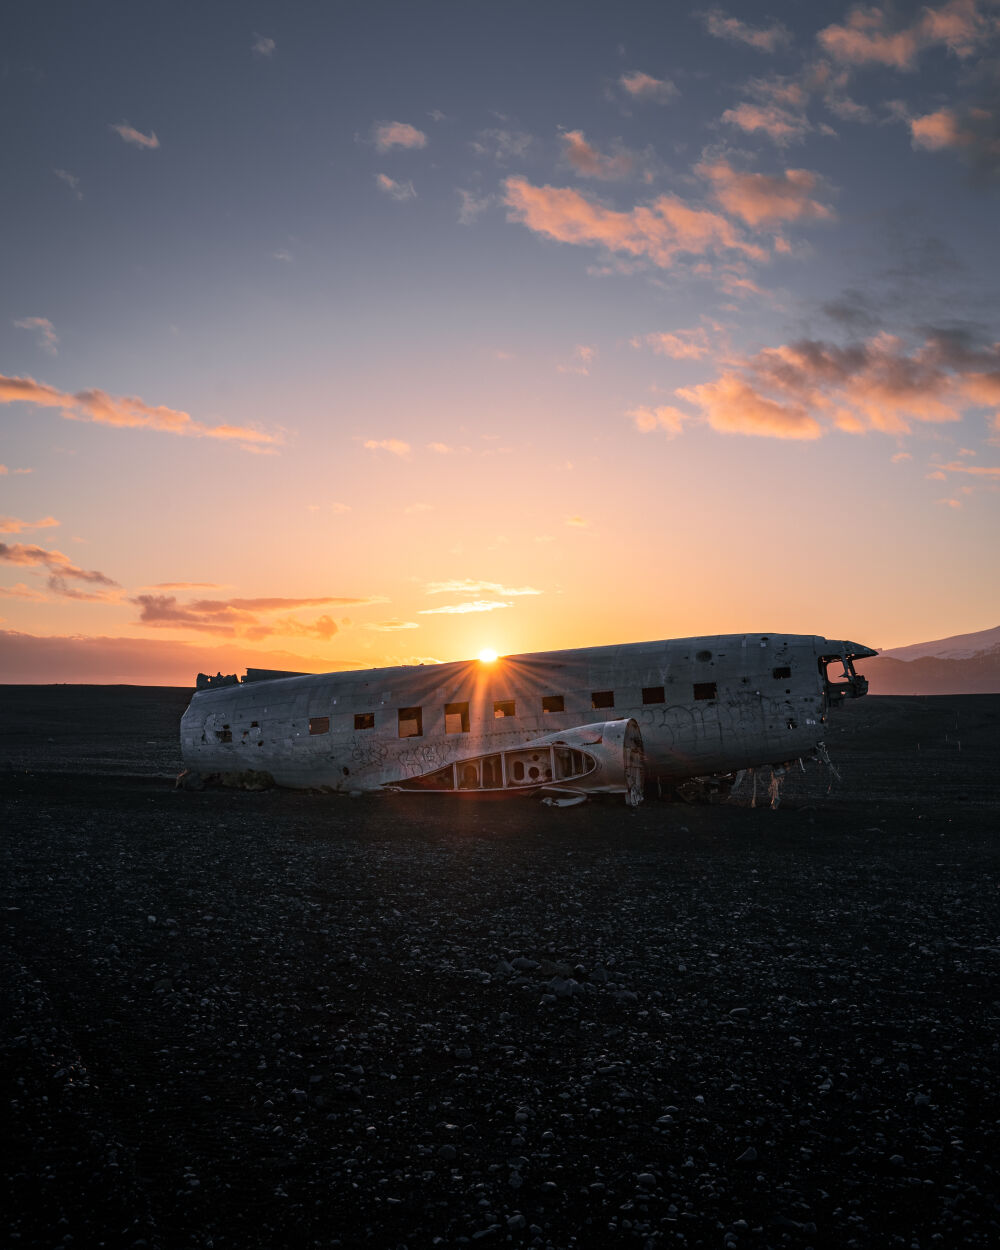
(958, 647)
(961, 664)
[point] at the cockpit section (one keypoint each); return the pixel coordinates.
(840, 679)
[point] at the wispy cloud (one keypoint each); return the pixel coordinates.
(763, 38)
(185, 586)
(47, 338)
(583, 357)
(472, 205)
(338, 509)
(503, 145)
(242, 617)
(71, 180)
(663, 417)
(577, 522)
(659, 232)
(394, 446)
(778, 109)
(590, 163)
(641, 86)
(126, 412)
(4, 470)
(20, 591)
(398, 190)
(135, 137)
(392, 626)
(473, 586)
(681, 345)
(13, 525)
(976, 470)
(762, 198)
(263, 45)
(387, 135)
(62, 571)
(460, 609)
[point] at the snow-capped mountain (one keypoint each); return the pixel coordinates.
(962, 664)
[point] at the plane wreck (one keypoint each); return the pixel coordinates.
(563, 724)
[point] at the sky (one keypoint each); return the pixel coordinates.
(345, 335)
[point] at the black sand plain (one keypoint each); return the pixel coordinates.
(277, 1019)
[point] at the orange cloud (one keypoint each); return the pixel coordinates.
(393, 445)
(398, 190)
(760, 198)
(61, 571)
(470, 586)
(936, 130)
(21, 591)
(660, 232)
(459, 609)
(875, 385)
(391, 626)
(136, 137)
(661, 418)
(642, 86)
(241, 617)
(764, 39)
(397, 135)
(583, 358)
(868, 37)
(977, 470)
(588, 161)
(12, 525)
(733, 406)
(778, 124)
(975, 133)
(684, 345)
(126, 411)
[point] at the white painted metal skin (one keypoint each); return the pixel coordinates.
(703, 706)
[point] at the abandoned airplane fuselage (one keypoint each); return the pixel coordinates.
(591, 720)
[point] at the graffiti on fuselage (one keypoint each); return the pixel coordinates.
(368, 752)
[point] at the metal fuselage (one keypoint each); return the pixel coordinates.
(703, 705)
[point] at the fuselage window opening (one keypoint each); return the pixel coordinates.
(705, 690)
(782, 673)
(456, 718)
(502, 708)
(319, 724)
(225, 734)
(553, 703)
(653, 694)
(492, 772)
(364, 720)
(602, 698)
(411, 722)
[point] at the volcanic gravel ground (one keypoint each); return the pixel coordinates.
(278, 1019)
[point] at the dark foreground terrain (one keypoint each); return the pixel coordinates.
(236, 1019)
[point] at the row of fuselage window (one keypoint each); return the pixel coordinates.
(456, 715)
